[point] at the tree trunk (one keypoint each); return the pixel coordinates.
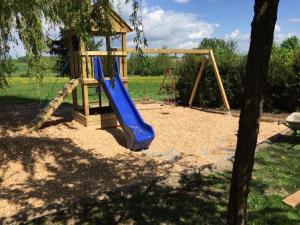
(263, 25)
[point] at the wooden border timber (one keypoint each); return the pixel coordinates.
(170, 51)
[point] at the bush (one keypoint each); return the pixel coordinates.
(150, 65)
(282, 91)
(231, 66)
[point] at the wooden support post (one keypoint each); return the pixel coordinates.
(89, 69)
(219, 80)
(124, 59)
(74, 91)
(72, 69)
(197, 82)
(85, 89)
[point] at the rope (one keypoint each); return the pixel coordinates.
(50, 93)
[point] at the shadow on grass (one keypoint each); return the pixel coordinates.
(276, 175)
(14, 99)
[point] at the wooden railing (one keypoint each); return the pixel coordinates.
(82, 64)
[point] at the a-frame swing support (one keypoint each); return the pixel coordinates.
(218, 78)
(209, 56)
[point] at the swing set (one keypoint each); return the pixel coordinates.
(208, 56)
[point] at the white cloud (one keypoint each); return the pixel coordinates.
(181, 1)
(242, 39)
(174, 29)
(277, 28)
(237, 36)
(169, 28)
(279, 37)
(162, 28)
(294, 20)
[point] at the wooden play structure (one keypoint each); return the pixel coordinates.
(83, 80)
(97, 113)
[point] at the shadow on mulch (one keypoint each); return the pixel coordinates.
(14, 116)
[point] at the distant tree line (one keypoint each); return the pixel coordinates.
(154, 65)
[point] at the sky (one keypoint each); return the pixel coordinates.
(184, 23)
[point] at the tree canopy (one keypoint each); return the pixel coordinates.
(26, 19)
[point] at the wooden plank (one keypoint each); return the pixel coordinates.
(93, 81)
(171, 51)
(51, 107)
(80, 118)
(74, 92)
(89, 67)
(101, 53)
(104, 120)
(197, 82)
(85, 90)
(219, 81)
(293, 199)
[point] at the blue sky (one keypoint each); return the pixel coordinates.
(184, 23)
(229, 19)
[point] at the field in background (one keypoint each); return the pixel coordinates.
(21, 67)
(27, 90)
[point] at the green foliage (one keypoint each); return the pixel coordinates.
(26, 18)
(8, 68)
(282, 90)
(149, 65)
(291, 43)
(283, 85)
(231, 66)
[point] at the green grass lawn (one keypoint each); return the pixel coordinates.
(25, 90)
(199, 199)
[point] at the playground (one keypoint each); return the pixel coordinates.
(87, 161)
(102, 131)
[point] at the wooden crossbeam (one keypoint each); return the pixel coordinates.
(49, 109)
(101, 53)
(170, 51)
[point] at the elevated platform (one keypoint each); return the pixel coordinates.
(103, 117)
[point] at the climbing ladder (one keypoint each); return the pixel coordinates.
(51, 107)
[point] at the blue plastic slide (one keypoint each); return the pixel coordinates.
(138, 134)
